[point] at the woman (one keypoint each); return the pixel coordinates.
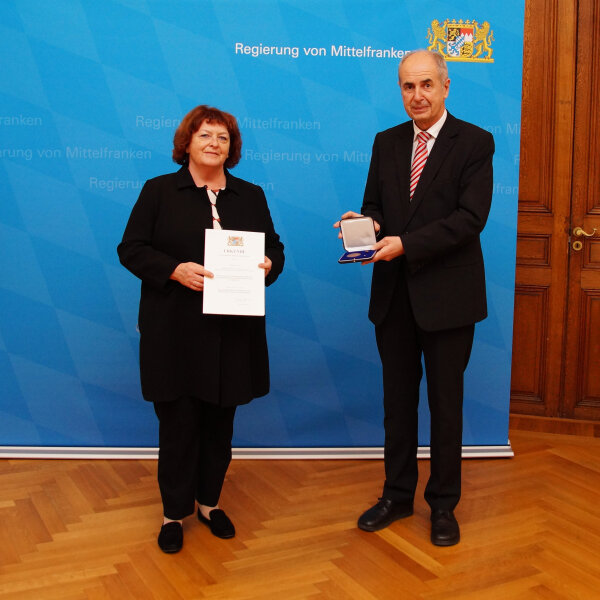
(196, 368)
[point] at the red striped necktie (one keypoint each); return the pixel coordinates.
(419, 160)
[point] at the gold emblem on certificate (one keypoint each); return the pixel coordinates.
(235, 240)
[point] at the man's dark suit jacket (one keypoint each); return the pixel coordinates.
(439, 228)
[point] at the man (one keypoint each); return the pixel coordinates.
(429, 196)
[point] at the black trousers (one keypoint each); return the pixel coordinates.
(194, 453)
(402, 345)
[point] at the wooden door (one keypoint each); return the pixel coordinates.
(581, 390)
(556, 347)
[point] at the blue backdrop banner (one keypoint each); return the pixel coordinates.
(90, 96)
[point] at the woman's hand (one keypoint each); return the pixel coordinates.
(191, 275)
(266, 265)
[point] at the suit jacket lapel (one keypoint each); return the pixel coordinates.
(403, 152)
(440, 151)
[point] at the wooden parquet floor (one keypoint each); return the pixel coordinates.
(75, 530)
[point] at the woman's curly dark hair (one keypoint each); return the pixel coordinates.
(192, 122)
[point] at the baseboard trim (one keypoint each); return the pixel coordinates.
(562, 426)
(63, 452)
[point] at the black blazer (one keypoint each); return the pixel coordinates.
(183, 352)
(439, 228)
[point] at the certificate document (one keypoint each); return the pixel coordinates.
(238, 285)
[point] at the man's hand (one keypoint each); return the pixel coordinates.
(387, 248)
(191, 275)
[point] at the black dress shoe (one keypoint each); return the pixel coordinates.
(444, 528)
(386, 511)
(170, 538)
(219, 523)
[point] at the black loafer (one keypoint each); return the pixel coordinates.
(444, 528)
(384, 513)
(219, 523)
(170, 538)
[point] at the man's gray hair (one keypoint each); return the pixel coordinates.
(440, 61)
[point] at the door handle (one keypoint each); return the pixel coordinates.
(578, 231)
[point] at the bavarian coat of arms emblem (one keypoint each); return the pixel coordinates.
(461, 40)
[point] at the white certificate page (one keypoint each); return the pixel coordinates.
(238, 285)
